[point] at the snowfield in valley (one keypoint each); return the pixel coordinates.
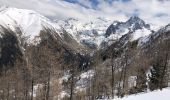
(155, 95)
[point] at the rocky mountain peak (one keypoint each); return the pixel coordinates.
(135, 19)
(122, 28)
(137, 23)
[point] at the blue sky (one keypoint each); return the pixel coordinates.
(93, 3)
(156, 12)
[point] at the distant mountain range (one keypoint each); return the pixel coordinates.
(91, 33)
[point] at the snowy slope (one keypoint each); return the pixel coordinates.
(140, 33)
(146, 39)
(28, 21)
(156, 95)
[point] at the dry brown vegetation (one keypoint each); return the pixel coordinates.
(119, 70)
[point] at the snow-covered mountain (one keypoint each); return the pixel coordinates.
(90, 33)
(136, 26)
(29, 22)
(102, 31)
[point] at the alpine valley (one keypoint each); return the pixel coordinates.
(70, 59)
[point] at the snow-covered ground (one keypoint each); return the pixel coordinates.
(62, 95)
(155, 95)
(84, 79)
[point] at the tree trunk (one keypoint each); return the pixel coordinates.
(32, 88)
(113, 69)
(72, 83)
(8, 89)
(164, 71)
(119, 87)
(124, 77)
(48, 86)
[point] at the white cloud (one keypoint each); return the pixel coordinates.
(53, 8)
(149, 10)
(152, 11)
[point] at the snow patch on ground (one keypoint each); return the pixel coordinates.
(35, 89)
(65, 77)
(62, 95)
(87, 74)
(84, 79)
(132, 81)
(155, 95)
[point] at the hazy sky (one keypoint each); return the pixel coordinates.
(152, 11)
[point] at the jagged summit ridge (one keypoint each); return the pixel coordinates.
(133, 24)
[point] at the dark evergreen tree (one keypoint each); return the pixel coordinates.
(157, 77)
